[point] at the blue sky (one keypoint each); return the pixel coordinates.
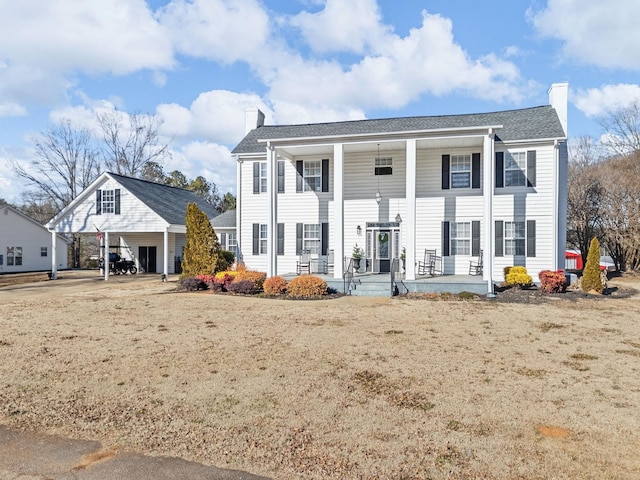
(199, 64)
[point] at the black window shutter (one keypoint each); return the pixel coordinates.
(280, 176)
(531, 168)
(256, 177)
(280, 239)
(223, 241)
(117, 198)
(475, 238)
(324, 245)
(445, 172)
(325, 175)
(98, 202)
(256, 239)
(299, 176)
(531, 238)
(499, 169)
(299, 228)
(475, 170)
(499, 238)
(445, 239)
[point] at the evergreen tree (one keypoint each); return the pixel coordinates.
(202, 252)
(591, 273)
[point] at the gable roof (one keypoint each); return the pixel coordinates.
(33, 221)
(523, 124)
(168, 202)
(224, 220)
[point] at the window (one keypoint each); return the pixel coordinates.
(515, 165)
(383, 166)
(43, 251)
(311, 237)
(460, 171)
(312, 176)
(108, 201)
(263, 176)
(232, 243)
(263, 239)
(14, 256)
(460, 238)
(514, 238)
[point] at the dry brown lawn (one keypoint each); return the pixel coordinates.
(348, 388)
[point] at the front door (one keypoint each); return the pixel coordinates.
(147, 259)
(382, 245)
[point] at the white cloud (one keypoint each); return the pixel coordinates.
(426, 61)
(604, 34)
(217, 116)
(210, 160)
(225, 30)
(12, 109)
(596, 102)
(341, 26)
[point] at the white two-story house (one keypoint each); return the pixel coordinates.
(490, 184)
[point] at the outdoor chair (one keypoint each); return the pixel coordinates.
(428, 265)
(329, 264)
(475, 266)
(304, 263)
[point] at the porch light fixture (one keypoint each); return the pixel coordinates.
(359, 230)
(378, 195)
(398, 218)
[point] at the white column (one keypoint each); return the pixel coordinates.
(166, 252)
(410, 221)
(238, 208)
(106, 256)
(338, 210)
(54, 256)
(487, 193)
(272, 212)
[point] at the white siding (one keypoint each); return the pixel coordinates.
(18, 231)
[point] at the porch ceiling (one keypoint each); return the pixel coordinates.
(292, 151)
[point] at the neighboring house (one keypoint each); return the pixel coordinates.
(225, 227)
(142, 221)
(26, 245)
(462, 184)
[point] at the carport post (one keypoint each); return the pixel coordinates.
(106, 256)
(165, 271)
(54, 256)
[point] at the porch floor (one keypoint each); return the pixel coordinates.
(379, 284)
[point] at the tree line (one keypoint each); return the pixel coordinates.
(68, 158)
(603, 198)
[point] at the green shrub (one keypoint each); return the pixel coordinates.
(201, 253)
(275, 286)
(552, 282)
(191, 284)
(307, 286)
(228, 256)
(591, 274)
(518, 277)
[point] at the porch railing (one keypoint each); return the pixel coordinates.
(347, 277)
(395, 285)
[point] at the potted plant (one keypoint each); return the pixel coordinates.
(403, 258)
(356, 255)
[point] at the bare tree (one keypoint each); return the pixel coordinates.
(585, 194)
(66, 162)
(622, 129)
(131, 142)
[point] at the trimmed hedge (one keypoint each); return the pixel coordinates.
(552, 282)
(275, 286)
(257, 278)
(307, 286)
(591, 274)
(518, 277)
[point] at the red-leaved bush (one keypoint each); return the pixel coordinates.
(275, 285)
(552, 282)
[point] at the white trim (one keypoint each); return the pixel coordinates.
(338, 210)
(410, 199)
(487, 193)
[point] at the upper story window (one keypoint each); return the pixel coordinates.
(108, 201)
(260, 177)
(263, 176)
(383, 166)
(312, 176)
(460, 171)
(515, 165)
(516, 169)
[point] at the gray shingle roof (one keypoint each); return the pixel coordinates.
(168, 202)
(224, 220)
(524, 124)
